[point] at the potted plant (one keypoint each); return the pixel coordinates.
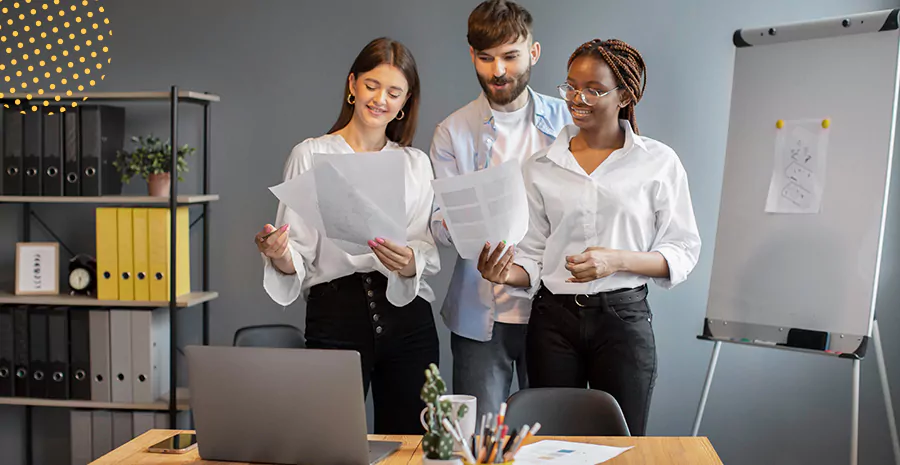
(152, 160)
(438, 442)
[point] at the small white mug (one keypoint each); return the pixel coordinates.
(467, 423)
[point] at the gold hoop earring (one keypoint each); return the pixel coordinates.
(351, 99)
(401, 115)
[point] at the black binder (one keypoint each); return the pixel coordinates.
(20, 352)
(12, 151)
(37, 344)
(52, 159)
(102, 135)
(80, 354)
(7, 345)
(58, 368)
(71, 154)
(31, 153)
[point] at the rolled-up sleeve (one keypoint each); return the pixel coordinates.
(530, 252)
(677, 237)
(283, 288)
(401, 290)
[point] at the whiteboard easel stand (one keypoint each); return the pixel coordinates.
(854, 409)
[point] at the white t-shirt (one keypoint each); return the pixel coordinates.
(517, 138)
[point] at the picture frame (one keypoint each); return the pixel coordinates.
(37, 268)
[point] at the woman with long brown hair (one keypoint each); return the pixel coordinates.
(377, 303)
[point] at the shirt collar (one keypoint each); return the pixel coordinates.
(558, 152)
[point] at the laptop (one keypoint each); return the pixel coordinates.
(280, 406)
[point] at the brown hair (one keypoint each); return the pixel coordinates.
(497, 22)
(378, 52)
(627, 64)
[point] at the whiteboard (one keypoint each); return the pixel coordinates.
(782, 277)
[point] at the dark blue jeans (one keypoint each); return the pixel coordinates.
(396, 344)
(607, 346)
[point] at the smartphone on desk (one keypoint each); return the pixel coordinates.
(178, 444)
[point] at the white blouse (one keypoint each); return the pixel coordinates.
(637, 199)
(318, 260)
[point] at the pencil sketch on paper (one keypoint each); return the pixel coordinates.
(798, 172)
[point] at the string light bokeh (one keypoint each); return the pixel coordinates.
(52, 47)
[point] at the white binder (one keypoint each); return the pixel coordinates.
(142, 422)
(81, 444)
(101, 433)
(121, 428)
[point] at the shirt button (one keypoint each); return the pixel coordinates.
(378, 329)
(375, 317)
(370, 293)
(368, 280)
(372, 305)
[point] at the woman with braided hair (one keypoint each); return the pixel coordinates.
(610, 210)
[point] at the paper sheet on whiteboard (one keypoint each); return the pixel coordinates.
(351, 198)
(485, 206)
(798, 173)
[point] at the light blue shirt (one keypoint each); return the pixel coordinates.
(462, 144)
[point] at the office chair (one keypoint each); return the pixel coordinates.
(567, 412)
(275, 335)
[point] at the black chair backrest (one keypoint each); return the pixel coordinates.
(277, 336)
(567, 412)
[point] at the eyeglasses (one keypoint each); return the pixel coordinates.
(589, 96)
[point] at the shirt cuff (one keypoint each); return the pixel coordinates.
(283, 288)
(534, 276)
(441, 234)
(677, 273)
(402, 290)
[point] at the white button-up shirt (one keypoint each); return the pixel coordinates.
(637, 199)
(318, 260)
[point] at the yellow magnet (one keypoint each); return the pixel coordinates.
(826, 122)
(779, 124)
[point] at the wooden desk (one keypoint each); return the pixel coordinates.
(647, 450)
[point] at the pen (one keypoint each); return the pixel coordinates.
(460, 440)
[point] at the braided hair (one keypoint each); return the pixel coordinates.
(627, 64)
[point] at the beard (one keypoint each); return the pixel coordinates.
(512, 92)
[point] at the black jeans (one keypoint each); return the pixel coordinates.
(396, 344)
(606, 342)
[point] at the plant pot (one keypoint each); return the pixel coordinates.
(452, 461)
(158, 184)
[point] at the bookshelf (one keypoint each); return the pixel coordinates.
(170, 404)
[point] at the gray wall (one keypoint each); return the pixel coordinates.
(279, 67)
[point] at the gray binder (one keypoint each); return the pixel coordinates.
(149, 354)
(120, 354)
(121, 428)
(142, 422)
(82, 445)
(100, 356)
(101, 433)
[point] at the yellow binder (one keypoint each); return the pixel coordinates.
(160, 253)
(141, 254)
(126, 254)
(107, 254)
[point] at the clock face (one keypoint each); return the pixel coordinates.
(79, 279)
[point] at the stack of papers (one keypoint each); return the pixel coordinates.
(485, 206)
(566, 453)
(351, 198)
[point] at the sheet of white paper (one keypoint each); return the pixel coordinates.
(350, 216)
(550, 452)
(354, 204)
(798, 174)
(485, 206)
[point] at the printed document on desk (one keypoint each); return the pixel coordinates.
(351, 198)
(549, 452)
(485, 206)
